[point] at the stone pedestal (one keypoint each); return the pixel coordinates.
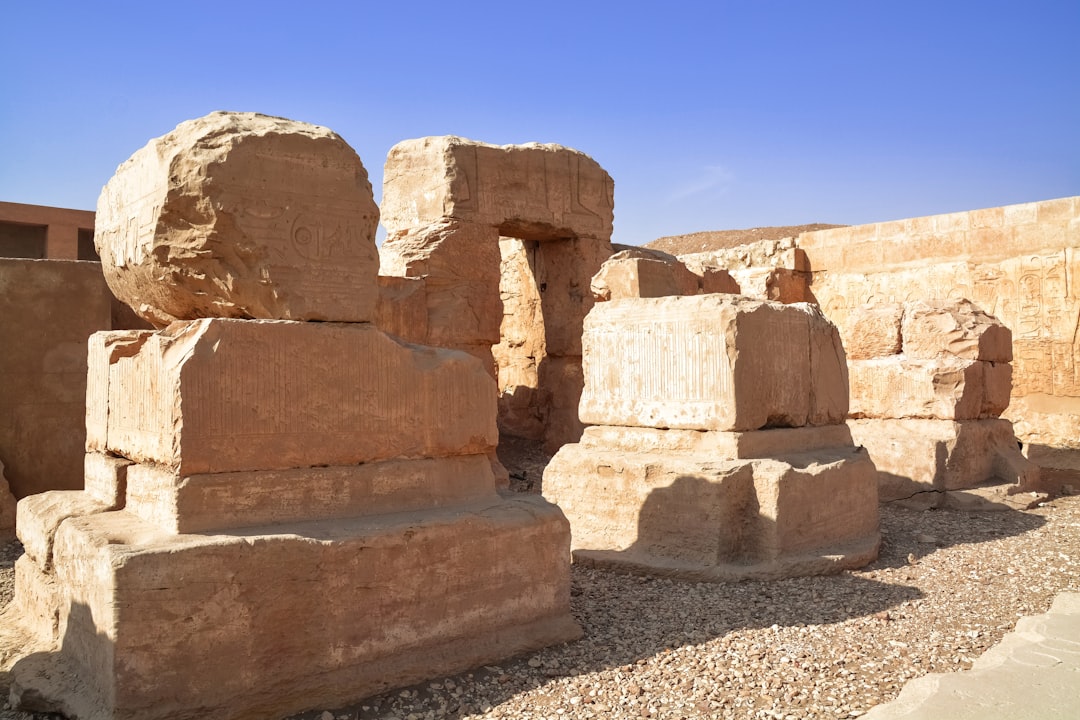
(717, 451)
(272, 620)
(279, 516)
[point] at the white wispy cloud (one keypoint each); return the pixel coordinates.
(711, 179)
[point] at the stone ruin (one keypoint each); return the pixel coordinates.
(507, 239)
(278, 514)
(252, 475)
(929, 381)
(716, 446)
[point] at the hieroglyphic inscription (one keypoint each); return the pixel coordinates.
(235, 395)
(1034, 295)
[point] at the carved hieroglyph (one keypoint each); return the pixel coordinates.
(224, 395)
(241, 215)
(712, 362)
(1018, 263)
(717, 448)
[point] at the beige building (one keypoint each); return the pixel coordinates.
(40, 232)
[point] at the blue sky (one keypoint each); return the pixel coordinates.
(709, 115)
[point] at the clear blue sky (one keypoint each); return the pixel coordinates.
(709, 115)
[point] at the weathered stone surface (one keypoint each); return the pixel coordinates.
(638, 273)
(7, 509)
(460, 265)
(438, 590)
(106, 479)
(922, 455)
(711, 362)
(958, 329)
(774, 442)
(949, 388)
(507, 239)
(224, 501)
(562, 379)
(39, 516)
(700, 517)
(48, 309)
(402, 308)
(36, 604)
(241, 215)
(1014, 262)
(528, 191)
(873, 331)
(219, 395)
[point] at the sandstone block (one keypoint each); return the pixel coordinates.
(948, 388)
(7, 509)
(39, 516)
(956, 328)
(922, 455)
(562, 377)
(48, 309)
(105, 349)
(274, 620)
(460, 264)
(711, 362)
(106, 479)
(697, 517)
(642, 274)
(241, 215)
(218, 395)
(774, 442)
(36, 601)
(224, 501)
(528, 191)
(873, 331)
(402, 308)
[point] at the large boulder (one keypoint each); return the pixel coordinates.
(285, 229)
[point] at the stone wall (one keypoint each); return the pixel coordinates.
(1018, 263)
(48, 310)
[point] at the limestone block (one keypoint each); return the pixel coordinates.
(241, 215)
(921, 455)
(320, 616)
(711, 362)
(219, 395)
(954, 328)
(402, 308)
(873, 331)
(948, 388)
(460, 264)
(48, 309)
(224, 501)
(531, 192)
(37, 600)
(106, 478)
(636, 274)
(698, 517)
(40, 515)
(774, 442)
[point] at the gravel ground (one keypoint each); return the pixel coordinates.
(947, 586)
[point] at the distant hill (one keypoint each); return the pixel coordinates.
(723, 239)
